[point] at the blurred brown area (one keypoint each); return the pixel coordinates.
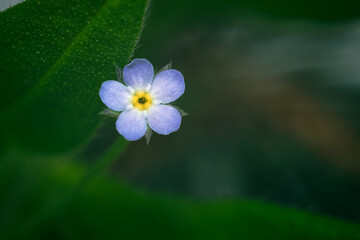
(323, 131)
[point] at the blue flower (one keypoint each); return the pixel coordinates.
(143, 99)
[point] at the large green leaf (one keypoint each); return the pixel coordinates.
(54, 55)
(73, 208)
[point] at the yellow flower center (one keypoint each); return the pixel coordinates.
(141, 100)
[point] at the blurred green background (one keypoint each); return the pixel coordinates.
(273, 93)
(270, 149)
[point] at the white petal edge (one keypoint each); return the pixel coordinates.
(139, 74)
(164, 119)
(167, 86)
(131, 125)
(115, 95)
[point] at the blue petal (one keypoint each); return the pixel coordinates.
(138, 74)
(131, 125)
(168, 86)
(115, 95)
(164, 119)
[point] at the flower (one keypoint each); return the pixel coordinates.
(143, 100)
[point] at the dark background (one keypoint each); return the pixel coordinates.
(272, 92)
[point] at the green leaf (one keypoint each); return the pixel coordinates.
(54, 55)
(110, 209)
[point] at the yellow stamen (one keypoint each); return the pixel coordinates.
(141, 100)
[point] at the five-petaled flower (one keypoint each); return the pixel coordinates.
(143, 101)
